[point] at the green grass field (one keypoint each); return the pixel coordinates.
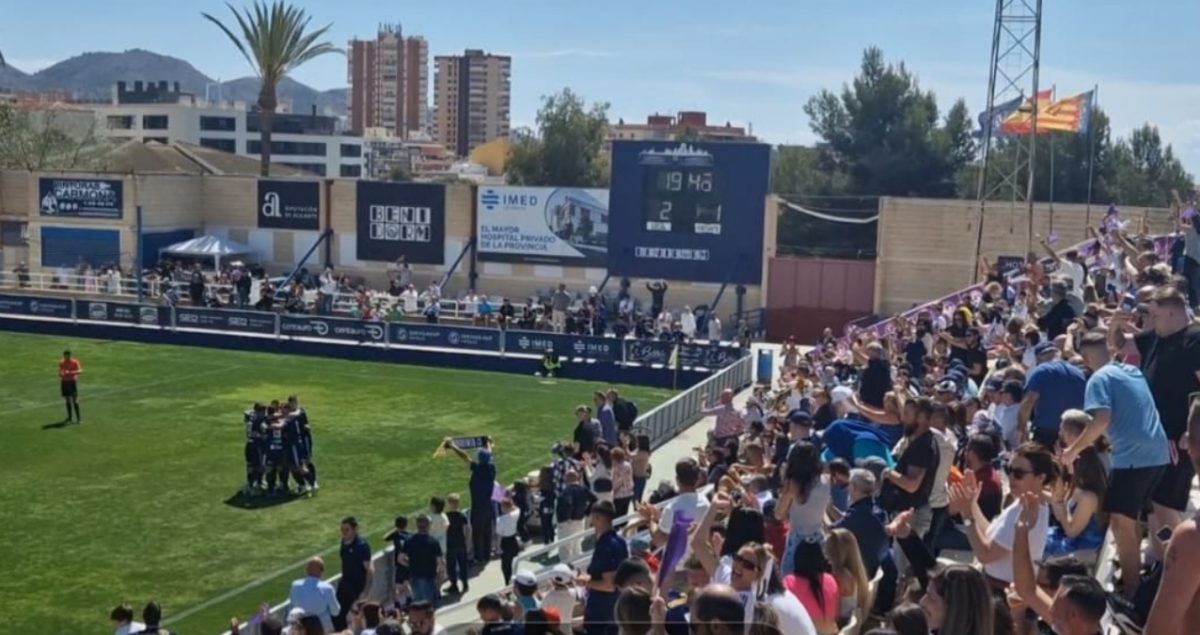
(131, 506)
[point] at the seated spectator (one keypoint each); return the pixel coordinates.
(1077, 499)
(957, 600)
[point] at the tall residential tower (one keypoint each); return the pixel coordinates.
(389, 82)
(472, 99)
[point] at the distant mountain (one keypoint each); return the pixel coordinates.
(92, 76)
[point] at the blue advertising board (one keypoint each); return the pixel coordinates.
(692, 212)
(224, 320)
(332, 328)
(607, 349)
(412, 334)
(32, 305)
(125, 312)
(690, 355)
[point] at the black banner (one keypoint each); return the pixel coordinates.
(606, 349)
(475, 339)
(332, 328)
(26, 305)
(124, 312)
(690, 355)
(401, 219)
(80, 198)
(289, 205)
(225, 320)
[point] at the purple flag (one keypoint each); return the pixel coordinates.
(498, 492)
(1189, 212)
(1052, 238)
(676, 548)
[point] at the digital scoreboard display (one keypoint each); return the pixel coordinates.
(691, 211)
(686, 200)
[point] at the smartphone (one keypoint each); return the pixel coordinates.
(1163, 534)
(1129, 302)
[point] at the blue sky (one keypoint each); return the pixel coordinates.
(753, 62)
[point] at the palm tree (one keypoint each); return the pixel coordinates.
(276, 40)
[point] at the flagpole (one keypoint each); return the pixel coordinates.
(1091, 154)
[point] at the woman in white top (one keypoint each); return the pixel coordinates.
(599, 473)
(804, 499)
(506, 530)
(622, 481)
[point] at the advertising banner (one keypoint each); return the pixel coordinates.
(26, 305)
(560, 226)
(289, 205)
(401, 219)
(414, 334)
(80, 198)
(690, 355)
(332, 328)
(692, 212)
(225, 320)
(125, 312)
(606, 349)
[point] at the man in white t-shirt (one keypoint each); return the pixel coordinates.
(688, 504)
(939, 496)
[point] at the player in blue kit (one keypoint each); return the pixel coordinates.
(306, 438)
(256, 445)
(276, 456)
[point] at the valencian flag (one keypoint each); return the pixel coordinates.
(1065, 115)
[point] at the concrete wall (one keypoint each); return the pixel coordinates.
(226, 206)
(927, 246)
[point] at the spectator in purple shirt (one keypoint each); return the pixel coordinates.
(608, 420)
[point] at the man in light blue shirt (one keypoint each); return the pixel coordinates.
(1120, 403)
(314, 596)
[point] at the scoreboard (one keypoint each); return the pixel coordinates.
(688, 211)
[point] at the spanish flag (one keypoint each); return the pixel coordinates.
(1065, 115)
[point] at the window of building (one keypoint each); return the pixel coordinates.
(13, 233)
(314, 168)
(352, 171)
(120, 122)
(351, 150)
(224, 145)
(225, 124)
(288, 148)
(154, 122)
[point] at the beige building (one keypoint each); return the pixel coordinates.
(472, 99)
(389, 82)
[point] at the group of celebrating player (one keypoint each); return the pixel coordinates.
(279, 444)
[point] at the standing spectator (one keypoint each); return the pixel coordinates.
(483, 508)
(587, 431)
(714, 327)
(410, 299)
(608, 418)
(730, 420)
(437, 520)
(357, 570)
(939, 496)
(804, 500)
(458, 536)
(1121, 405)
(506, 530)
(22, 272)
(622, 478)
(122, 619)
(641, 465)
(424, 561)
(570, 511)
(687, 322)
(560, 301)
(865, 520)
(196, 285)
(910, 484)
(241, 285)
(327, 292)
(152, 616)
(658, 295)
(1170, 359)
(1058, 313)
(401, 587)
(625, 411)
(686, 504)
(610, 551)
(1051, 389)
(315, 596)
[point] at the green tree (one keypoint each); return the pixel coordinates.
(1143, 171)
(275, 39)
(798, 170)
(399, 172)
(41, 140)
(883, 132)
(566, 148)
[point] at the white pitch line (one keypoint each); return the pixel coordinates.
(87, 396)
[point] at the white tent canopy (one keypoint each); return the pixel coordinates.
(208, 247)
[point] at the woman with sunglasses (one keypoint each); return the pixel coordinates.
(1031, 468)
(752, 572)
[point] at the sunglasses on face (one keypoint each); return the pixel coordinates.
(746, 562)
(1017, 472)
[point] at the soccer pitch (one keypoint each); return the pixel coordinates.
(132, 505)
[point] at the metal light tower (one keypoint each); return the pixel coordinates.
(1008, 171)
